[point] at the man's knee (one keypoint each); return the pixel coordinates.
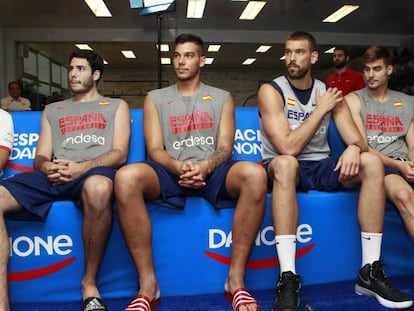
(133, 174)
(372, 164)
(98, 186)
(404, 199)
(284, 167)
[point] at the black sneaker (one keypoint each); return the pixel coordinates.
(287, 289)
(371, 281)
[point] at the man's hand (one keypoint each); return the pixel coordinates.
(349, 163)
(52, 170)
(60, 171)
(329, 100)
(191, 176)
(407, 170)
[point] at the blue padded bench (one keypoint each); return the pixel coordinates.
(47, 258)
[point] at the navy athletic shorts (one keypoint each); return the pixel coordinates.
(317, 175)
(173, 195)
(36, 194)
(389, 170)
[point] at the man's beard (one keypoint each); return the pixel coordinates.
(340, 65)
(299, 74)
(87, 86)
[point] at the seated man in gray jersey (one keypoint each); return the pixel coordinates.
(76, 158)
(190, 111)
(295, 112)
(385, 119)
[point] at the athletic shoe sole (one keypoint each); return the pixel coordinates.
(386, 303)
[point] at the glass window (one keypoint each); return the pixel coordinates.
(56, 75)
(44, 68)
(30, 64)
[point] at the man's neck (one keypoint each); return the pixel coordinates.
(188, 88)
(380, 94)
(340, 71)
(86, 97)
(303, 83)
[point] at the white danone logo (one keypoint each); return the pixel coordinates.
(24, 246)
(219, 238)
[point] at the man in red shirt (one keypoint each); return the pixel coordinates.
(345, 79)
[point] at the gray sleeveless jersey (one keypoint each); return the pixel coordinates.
(387, 123)
(82, 130)
(189, 124)
(297, 113)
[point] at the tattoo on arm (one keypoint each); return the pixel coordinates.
(221, 154)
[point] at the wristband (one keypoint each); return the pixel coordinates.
(400, 159)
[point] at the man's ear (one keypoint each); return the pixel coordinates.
(202, 60)
(314, 57)
(96, 75)
(390, 69)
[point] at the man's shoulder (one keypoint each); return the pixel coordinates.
(211, 89)
(5, 99)
(59, 103)
(401, 95)
(165, 89)
(279, 81)
(332, 76)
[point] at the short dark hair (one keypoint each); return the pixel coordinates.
(94, 60)
(343, 49)
(14, 82)
(186, 37)
(303, 35)
(378, 52)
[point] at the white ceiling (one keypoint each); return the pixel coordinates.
(53, 26)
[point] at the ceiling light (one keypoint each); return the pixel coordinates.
(330, 51)
(263, 48)
(128, 54)
(105, 62)
(165, 60)
(165, 48)
(341, 13)
(209, 60)
(150, 7)
(283, 57)
(214, 48)
(195, 8)
(249, 61)
(82, 46)
(252, 9)
(135, 4)
(98, 8)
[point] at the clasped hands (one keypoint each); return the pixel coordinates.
(60, 171)
(192, 175)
